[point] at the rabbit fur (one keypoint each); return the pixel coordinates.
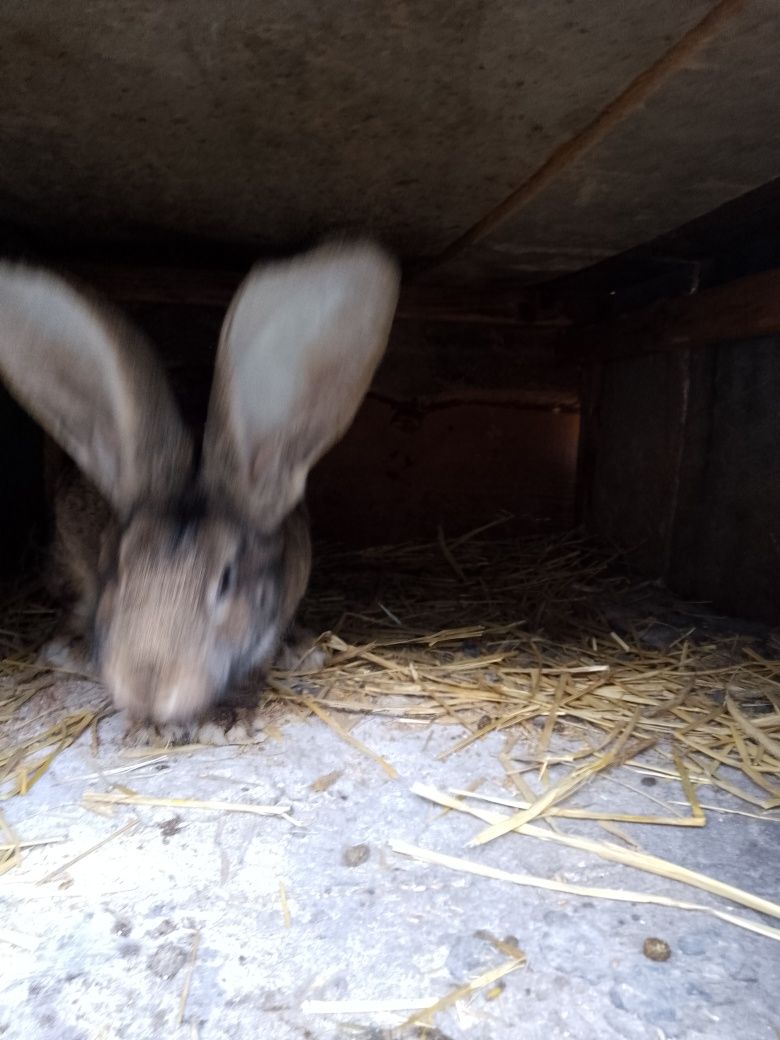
(187, 570)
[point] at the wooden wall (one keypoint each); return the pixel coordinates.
(465, 420)
(680, 461)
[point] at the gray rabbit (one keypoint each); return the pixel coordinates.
(189, 574)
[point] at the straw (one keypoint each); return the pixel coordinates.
(495, 633)
(626, 857)
(129, 826)
(130, 798)
(618, 894)
(185, 989)
(22, 942)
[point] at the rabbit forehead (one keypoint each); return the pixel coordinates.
(162, 607)
(169, 560)
(180, 536)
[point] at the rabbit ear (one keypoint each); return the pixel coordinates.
(299, 346)
(90, 380)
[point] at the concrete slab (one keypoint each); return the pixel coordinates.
(188, 902)
(266, 124)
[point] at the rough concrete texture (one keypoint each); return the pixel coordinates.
(272, 122)
(189, 902)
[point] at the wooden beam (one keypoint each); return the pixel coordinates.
(643, 86)
(743, 309)
(139, 284)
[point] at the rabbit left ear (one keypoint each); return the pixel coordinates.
(90, 380)
(297, 352)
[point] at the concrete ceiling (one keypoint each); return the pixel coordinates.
(267, 123)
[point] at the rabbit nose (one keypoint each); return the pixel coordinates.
(157, 697)
(179, 700)
(152, 692)
(136, 691)
(145, 682)
(147, 677)
(169, 703)
(133, 691)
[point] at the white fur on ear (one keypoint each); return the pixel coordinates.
(297, 353)
(91, 382)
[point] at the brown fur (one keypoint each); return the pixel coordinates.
(187, 581)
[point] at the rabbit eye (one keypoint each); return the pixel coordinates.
(226, 581)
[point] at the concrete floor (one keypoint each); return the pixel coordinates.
(188, 902)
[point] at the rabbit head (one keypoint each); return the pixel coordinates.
(203, 566)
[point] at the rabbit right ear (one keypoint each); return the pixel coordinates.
(91, 382)
(298, 349)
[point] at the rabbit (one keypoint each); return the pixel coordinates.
(189, 568)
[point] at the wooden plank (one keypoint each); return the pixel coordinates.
(137, 284)
(743, 309)
(679, 56)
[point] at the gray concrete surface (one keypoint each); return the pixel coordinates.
(272, 122)
(112, 935)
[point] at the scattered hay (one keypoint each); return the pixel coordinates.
(586, 891)
(542, 639)
(28, 748)
(21, 942)
(185, 990)
(423, 1009)
(129, 826)
(127, 797)
(492, 635)
(627, 857)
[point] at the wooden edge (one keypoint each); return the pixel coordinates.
(136, 284)
(746, 308)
